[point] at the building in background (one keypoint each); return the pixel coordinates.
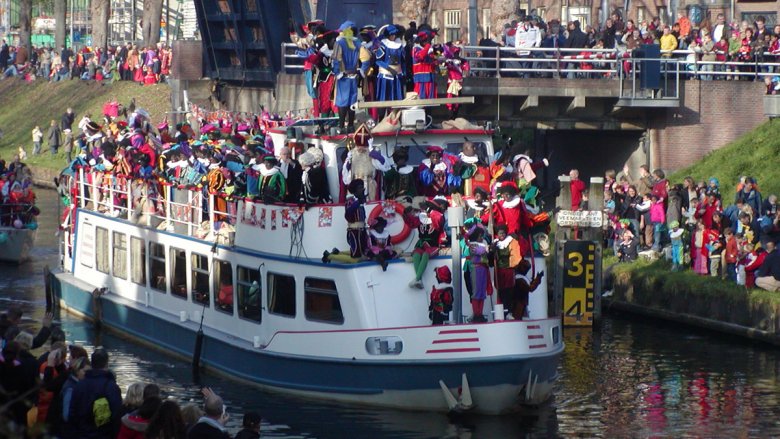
(178, 21)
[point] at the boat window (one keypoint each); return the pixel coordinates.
(249, 293)
(138, 261)
(120, 255)
(386, 345)
(87, 245)
(200, 279)
(281, 294)
(178, 281)
(101, 249)
(223, 285)
(321, 299)
(157, 267)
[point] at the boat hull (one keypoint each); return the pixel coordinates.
(19, 245)
(498, 384)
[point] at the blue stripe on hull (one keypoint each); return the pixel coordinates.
(309, 374)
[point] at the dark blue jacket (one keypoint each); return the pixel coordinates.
(97, 383)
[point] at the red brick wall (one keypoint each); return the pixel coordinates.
(711, 114)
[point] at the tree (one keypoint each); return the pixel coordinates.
(101, 10)
(150, 30)
(25, 24)
(60, 6)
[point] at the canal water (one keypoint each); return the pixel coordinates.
(631, 378)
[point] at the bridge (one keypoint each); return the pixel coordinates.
(660, 110)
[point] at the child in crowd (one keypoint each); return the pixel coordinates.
(675, 235)
(699, 253)
(645, 228)
(730, 255)
(657, 220)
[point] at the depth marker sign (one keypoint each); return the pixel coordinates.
(579, 271)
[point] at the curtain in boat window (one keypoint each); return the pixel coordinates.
(119, 256)
(138, 261)
(101, 250)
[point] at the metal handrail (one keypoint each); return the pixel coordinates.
(567, 60)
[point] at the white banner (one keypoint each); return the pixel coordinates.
(580, 218)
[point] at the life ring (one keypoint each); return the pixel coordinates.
(399, 210)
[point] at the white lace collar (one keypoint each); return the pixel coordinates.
(468, 159)
(504, 243)
(406, 169)
(392, 44)
(511, 204)
(265, 172)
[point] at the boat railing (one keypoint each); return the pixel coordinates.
(176, 208)
(9, 212)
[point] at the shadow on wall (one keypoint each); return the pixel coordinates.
(590, 151)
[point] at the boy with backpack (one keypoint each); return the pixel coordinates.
(96, 403)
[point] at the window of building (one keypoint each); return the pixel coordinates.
(138, 261)
(542, 12)
(281, 294)
(101, 250)
(663, 14)
(486, 23)
(223, 285)
(178, 283)
(200, 278)
(249, 292)
(321, 299)
(157, 266)
(641, 14)
(452, 24)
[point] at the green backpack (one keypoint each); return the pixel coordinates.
(101, 410)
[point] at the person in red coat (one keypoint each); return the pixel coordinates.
(511, 212)
(423, 66)
(577, 187)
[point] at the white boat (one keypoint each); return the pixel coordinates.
(343, 332)
(18, 239)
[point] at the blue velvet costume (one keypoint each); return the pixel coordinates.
(346, 65)
(392, 64)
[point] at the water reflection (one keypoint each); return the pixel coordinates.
(632, 378)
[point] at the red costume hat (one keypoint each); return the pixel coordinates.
(434, 149)
(362, 136)
(443, 274)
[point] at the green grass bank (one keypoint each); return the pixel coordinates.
(23, 105)
(757, 154)
(651, 288)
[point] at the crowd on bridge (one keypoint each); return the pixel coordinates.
(698, 226)
(123, 62)
(52, 387)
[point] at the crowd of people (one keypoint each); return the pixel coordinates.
(17, 197)
(128, 62)
(379, 64)
(65, 392)
(692, 220)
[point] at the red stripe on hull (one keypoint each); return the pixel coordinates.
(458, 340)
(537, 346)
(534, 337)
(445, 351)
(458, 331)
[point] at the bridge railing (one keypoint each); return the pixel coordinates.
(614, 64)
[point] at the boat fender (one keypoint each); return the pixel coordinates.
(3, 237)
(383, 208)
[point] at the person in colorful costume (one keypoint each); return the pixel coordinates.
(441, 296)
(272, 186)
(357, 236)
(369, 46)
(675, 235)
(507, 258)
(524, 285)
(322, 72)
(478, 256)
(306, 50)
(430, 228)
(400, 181)
(436, 176)
(391, 62)
(511, 212)
(363, 162)
(479, 206)
(423, 66)
(380, 248)
(346, 67)
(457, 68)
(473, 171)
